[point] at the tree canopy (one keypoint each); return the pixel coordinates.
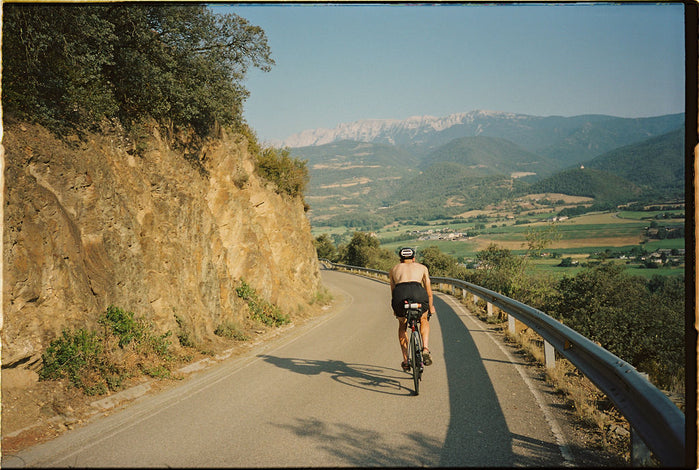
(71, 65)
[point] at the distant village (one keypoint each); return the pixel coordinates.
(440, 234)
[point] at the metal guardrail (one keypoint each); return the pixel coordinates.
(656, 419)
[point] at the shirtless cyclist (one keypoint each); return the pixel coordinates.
(411, 280)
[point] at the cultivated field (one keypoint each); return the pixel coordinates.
(580, 238)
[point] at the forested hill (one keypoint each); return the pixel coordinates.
(491, 156)
(602, 186)
(653, 165)
(654, 168)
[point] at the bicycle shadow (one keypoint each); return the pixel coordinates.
(367, 377)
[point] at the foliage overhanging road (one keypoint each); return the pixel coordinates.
(331, 393)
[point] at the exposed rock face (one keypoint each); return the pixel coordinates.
(89, 225)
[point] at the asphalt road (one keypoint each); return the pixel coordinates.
(331, 393)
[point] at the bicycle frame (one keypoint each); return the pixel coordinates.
(413, 315)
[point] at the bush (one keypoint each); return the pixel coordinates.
(289, 175)
(261, 310)
(76, 356)
(231, 331)
(99, 361)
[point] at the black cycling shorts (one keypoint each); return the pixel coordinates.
(409, 290)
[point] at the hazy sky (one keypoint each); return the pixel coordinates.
(337, 64)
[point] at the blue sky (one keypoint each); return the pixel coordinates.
(343, 63)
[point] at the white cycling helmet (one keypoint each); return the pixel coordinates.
(406, 253)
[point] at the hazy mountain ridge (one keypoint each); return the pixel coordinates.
(568, 140)
(390, 131)
(354, 181)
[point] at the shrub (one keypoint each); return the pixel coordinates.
(74, 355)
(231, 331)
(289, 175)
(261, 310)
(183, 333)
(97, 362)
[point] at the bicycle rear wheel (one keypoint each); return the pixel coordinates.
(416, 359)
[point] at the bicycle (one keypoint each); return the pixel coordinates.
(413, 313)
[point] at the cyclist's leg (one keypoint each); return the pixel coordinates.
(403, 337)
(425, 333)
(425, 330)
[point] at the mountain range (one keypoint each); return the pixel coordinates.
(377, 170)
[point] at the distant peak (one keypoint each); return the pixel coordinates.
(387, 130)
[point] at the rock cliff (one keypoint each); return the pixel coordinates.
(90, 224)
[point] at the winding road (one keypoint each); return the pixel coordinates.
(331, 393)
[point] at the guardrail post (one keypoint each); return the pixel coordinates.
(640, 454)
(490, 309)
(550, 355)
(511, 324)
(475, 299)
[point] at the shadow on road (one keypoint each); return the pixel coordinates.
(478, 434)
(362, 447)
(367, 377)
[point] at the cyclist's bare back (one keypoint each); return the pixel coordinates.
(409, 271)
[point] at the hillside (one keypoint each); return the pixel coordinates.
(351, 176)
(657, 164)
(604, 187)
(364, 184)
(491, 156)
(446, 189)
(89, 224)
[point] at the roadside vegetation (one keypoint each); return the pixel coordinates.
(99, 361)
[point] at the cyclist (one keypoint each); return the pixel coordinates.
(411, 280)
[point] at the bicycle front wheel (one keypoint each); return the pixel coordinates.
(416, 360)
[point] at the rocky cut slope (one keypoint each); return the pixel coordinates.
(88, 225)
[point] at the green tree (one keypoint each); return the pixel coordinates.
(441, 264)
(498, 269)
(326, 248)
(53, 63)
(73, 65)
(364, 250)
(626, 317)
